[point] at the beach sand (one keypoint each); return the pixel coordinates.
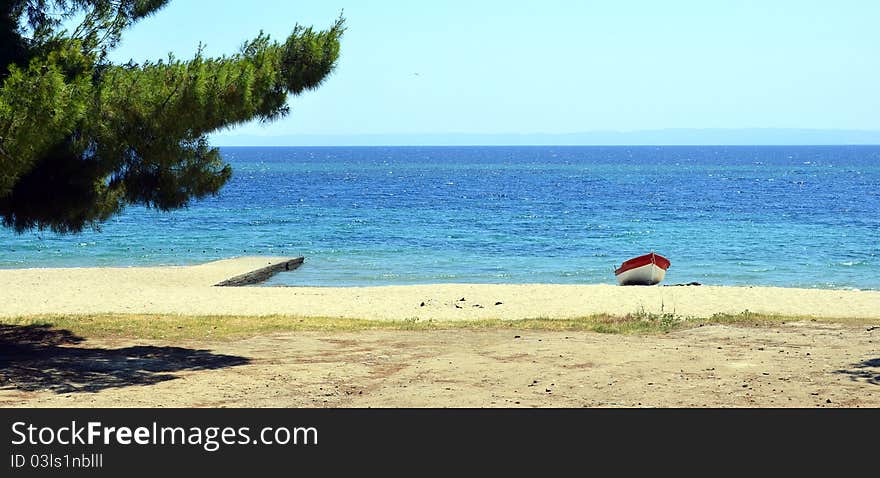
(802, 363)
(191, 290)
(798, 364)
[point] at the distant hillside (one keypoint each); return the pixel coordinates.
(767, 136)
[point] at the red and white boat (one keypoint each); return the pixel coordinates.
(649, 269)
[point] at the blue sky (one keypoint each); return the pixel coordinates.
(554, 67)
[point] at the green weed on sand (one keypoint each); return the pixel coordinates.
(184, 327)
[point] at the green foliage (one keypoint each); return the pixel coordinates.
(81, 138)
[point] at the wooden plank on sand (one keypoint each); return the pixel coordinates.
(262, 274)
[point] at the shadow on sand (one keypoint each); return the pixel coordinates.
(866, 371)
(39, 358)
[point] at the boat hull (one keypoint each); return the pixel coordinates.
(648, 274)
(649, 269)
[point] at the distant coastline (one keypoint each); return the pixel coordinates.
(659, 137)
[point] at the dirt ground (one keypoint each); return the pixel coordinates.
(804, 364)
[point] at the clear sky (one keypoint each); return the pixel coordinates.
(555, 66)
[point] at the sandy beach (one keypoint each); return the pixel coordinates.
(792, 363)
(191, 290)
(798, 364)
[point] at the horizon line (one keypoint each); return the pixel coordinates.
(645, 145)
(655, 137)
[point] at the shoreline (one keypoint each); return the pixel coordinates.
(241, 263)
(190, 290)
(538, 284)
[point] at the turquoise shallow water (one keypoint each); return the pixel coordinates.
(790, 216)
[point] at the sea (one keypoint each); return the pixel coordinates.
(790, 216)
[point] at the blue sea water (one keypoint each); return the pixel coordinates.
(794, 216)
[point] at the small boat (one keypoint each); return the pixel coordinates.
(649, 269)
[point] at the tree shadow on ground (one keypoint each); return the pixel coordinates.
(39, 358)
(867, 371)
